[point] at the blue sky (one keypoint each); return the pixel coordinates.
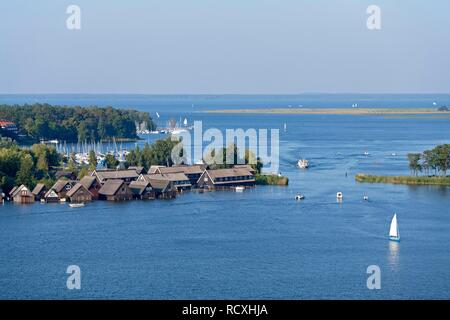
(225, 46)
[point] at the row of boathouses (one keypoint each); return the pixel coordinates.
(135, 183)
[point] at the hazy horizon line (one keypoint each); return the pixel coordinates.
(226, 94)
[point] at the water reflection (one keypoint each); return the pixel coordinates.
(394, 254)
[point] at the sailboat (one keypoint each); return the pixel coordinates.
(185, 122)
(394, 234)
(285, 127)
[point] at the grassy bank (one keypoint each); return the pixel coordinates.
(442, 181)
(338, 111)
(271, 179)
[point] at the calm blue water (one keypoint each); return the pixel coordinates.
(258, 244)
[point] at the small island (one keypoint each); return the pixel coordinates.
(433, 164)
(340, 111)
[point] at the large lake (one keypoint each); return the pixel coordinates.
(260, 243)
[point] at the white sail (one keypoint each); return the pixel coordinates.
(393, 232)
(185, 122)
(157, 114)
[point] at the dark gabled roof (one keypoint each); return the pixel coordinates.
(67, 174)
(154, 169)
(244, 166)
(38, 189)
(111, 187)
(88, 181)
(116, 174)
(176, 176)
(160, 185)
(195, 169)
(138, 187)
(226, 173)
(75, 189)
(60, 184)
(138, 169)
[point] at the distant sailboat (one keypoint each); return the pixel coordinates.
(157, 114)
(394, 234)
(285, 127)
(185, 122)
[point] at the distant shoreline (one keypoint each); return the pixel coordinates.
(337, 111)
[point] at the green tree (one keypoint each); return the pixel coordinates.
(92, 160)
(83, 172)
(42, 164)
(111, 162)
(82, 132)
(255, 162)
(442, 155)
(71, 164)
(101, 128)
(161, 152)
(26, 173)
(414, 163)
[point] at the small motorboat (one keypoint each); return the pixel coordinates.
(366, 198)
(339, 196)
(239, 189)
(366, 153)
(76, 205)
(303, 164)
(299, 197)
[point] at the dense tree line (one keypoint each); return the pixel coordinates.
(436, 161)
(159, 153)
(72, 124)
(26, 166)
(230, 156)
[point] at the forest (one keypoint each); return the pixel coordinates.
(72, 124)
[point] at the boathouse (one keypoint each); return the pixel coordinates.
(22, 195)
(163, 189)
(193, 173)
(92, 184)
(178, 180)
(142, 190)
(51, 196)
(62, 186)
(39, 191)
(226, 178)
(125, 175)
(79, 194)
(115, 190)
